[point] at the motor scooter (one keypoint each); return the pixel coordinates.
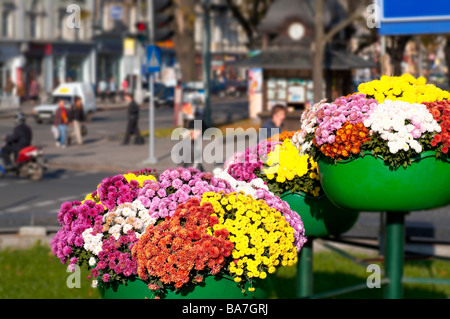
(30, 163)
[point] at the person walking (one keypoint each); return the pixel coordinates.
(77, 120)
(34, 90)
(9, 87)
(21, 93)
(125, 86)
(60, 121)
(133, 119)
(102, 89)
(112, 90)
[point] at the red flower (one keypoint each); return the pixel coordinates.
(438, 138)
(173, 248)
(445, 150)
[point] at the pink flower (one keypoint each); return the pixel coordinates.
(105, 277)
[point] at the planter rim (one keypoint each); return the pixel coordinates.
(303, 194)
(421, 156)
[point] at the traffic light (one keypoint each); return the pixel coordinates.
(163, 17)
(142, 31)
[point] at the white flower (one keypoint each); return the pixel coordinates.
(94, 283)
(115, 229)
(396, 121)
(126, 228)
(92, 261)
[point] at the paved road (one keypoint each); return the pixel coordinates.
(24, 202)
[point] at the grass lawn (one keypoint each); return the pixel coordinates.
(36, 273)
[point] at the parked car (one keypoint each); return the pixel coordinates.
(237, 88)
(165, 97)
(67, 92)
(158, 89)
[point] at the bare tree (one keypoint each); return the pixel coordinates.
(249, 13)
(184, 41)
(322, 38)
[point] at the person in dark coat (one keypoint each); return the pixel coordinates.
(77, 120)
(18, 140)
(274, 125)
(133, 120)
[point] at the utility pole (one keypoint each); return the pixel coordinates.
(207, 62)
(151, 159)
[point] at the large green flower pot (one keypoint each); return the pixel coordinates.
(367, 184)
(320, 217)
(213, 287)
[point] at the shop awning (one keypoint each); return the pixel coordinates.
(301, 60)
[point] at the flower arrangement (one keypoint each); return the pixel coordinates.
(282, 136)
(288, 171)
(169, 233)
(182, 248)
(243, 165)
(258, 189)
(261, 236)
(404, 88)
(385, 118)
(177, 186)
(441, 113)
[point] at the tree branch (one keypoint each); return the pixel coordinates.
(241, 19)
(342, 25)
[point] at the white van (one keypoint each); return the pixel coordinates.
(67, 92)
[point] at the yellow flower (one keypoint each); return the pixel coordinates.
(251, 289)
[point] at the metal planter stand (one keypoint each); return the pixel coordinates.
(394, 262)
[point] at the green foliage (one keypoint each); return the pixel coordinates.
(37, 274)
(303, 184)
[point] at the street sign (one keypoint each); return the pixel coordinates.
(413, 17)
(153, 59)
(116, 12)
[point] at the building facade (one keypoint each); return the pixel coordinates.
(228, 42)
(39, 40)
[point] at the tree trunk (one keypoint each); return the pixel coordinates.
(317, 52)
(399, 45)
(184, 41)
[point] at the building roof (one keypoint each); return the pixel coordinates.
(301, 10)
(301, 60)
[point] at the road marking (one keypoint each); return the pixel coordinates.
(18, 209)
(45, 203)
(66, 199)
(80, 174)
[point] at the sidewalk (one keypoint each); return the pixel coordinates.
(27, 108)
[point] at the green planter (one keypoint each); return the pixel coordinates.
(320, 217)
(213, 287)
(367, 184)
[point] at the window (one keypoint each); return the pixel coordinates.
(5, 24)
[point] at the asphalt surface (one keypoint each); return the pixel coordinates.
(24, 202)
